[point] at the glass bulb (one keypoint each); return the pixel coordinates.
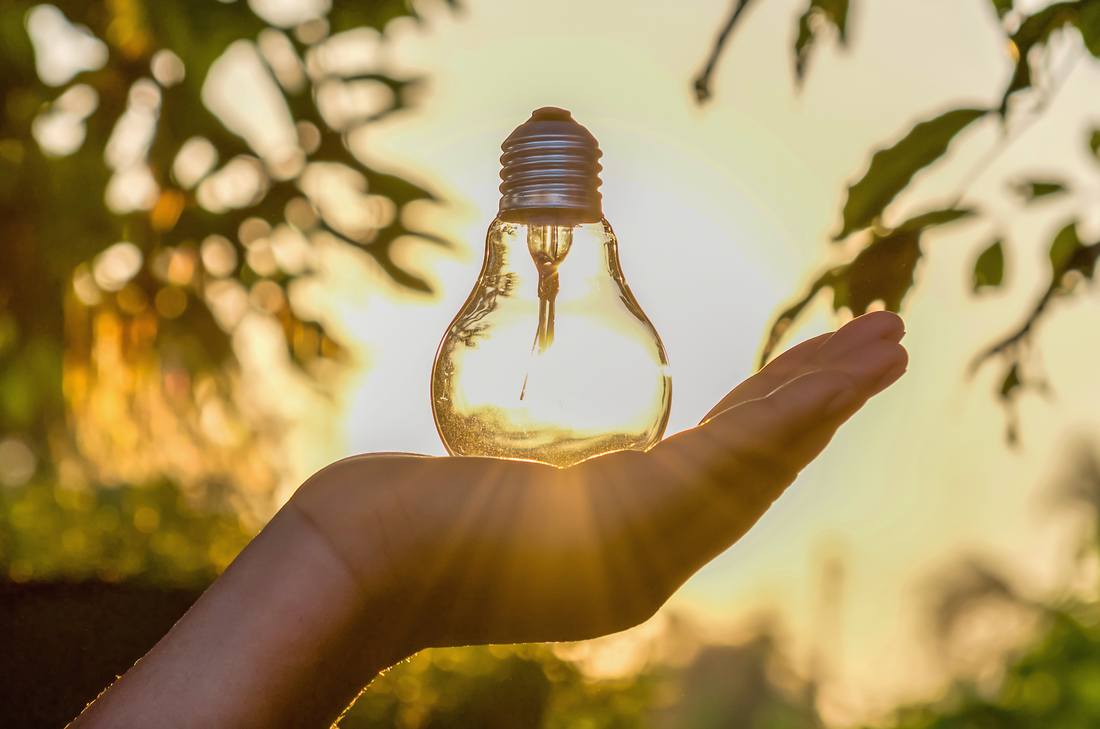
(551, 359)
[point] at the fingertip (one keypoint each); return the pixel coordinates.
(892, 375)
(880, 324)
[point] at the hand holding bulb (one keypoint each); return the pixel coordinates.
(379, 556)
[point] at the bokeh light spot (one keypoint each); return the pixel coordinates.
(60, 131)
(283, 60)
(228, 301)
(267, 296)
(309, 137)
(61, 49)
(242, 182)
(17, 462)
(252, 230)
(219, 257)
(196, 158)
(288, 13)
(146, 519)
(171, 302)
(132, 299)
(85, 287)
(114, 267)
(167, 68)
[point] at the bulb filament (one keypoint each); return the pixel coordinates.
(548, 244)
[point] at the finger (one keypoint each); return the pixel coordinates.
(777, 372)
(869, 362)
(765, 431)
(883, 326)
(712, 483)
(817, 353)
(769, 424)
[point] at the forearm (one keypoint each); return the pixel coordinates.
(285, 638)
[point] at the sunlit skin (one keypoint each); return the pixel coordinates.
(379, 556)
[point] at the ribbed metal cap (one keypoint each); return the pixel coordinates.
(550, 162)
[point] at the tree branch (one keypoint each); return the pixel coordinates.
(702, 83)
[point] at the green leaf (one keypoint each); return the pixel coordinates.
(1011, 381)
(936, 217)
(1063, 247)
(1002, 7)
(1034, 31)
(375, 14)
(989, 269)
(883, 271)
(1032, 190)
(817, 13)
(1088, 22)
(1094, 142)
(892, 169)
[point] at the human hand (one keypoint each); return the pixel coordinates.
(487, 551)
(379, 556)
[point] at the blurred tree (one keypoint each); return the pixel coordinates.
(881, 273)
(165, 168)
(1053, 680)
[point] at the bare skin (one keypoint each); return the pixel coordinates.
(379, 556)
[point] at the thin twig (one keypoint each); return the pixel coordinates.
(702, 83)
(1009, 139)
(1084, 259)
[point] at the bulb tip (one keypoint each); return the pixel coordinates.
(551, 113)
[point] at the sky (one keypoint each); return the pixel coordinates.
(723, 211)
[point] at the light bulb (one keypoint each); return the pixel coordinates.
(550, 359)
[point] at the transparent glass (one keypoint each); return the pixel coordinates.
(551, 359)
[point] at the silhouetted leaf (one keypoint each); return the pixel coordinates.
(1063, 247)
(1088, 22)
(1034, 31)
(818, 13)
(936, 217)
(883, 270)
(891, 169)
(989, 269)
(375, 14)
(1011, 381)
(1031, 190)
(1002, 7)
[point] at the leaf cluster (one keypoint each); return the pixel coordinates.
(59, 223)
(881, 273)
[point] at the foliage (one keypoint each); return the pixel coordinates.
(1054, 684)
(1054, 681)
(989, 269)
(533, 686)
(499, 686)
(123, 231)
(892, 169)
(147, 534)
(882, 269)
(820, 12)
